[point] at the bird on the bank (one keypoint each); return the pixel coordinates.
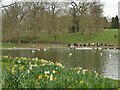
(45, 49)
(38, 49)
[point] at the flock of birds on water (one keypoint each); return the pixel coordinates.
(70, 53)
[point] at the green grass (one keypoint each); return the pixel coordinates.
(104, 36)
(39, 73)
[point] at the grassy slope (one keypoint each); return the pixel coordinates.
(105, 36)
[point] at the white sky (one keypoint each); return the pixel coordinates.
(110, 7)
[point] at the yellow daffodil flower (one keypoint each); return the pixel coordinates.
(81, 82)
(13, 69)
(47, 76)
(55, 79)
(51, 77)
(40, 77)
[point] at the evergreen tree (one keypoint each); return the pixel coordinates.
(115, 22)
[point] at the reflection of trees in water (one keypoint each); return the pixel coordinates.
(86, 59)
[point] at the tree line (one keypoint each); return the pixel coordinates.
(26, 21)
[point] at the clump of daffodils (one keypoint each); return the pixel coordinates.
(60, 65)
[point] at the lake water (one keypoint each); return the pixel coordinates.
(105, 62)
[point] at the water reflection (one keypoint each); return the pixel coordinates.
(103, 61)
(110, 68)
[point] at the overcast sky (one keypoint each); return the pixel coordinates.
(110, 7)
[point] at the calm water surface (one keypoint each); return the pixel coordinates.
(103, 61)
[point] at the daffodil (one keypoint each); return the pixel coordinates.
(28, 71)
(84, 71)
(5, 56)
(43, 61)
(19, 61)
(31, 67)
(15, 65)
(47, 72)
(13, 70)
(47, 76)
(96, 74)
(36, 59)
(54, 71)
(78, 72)
(51, 77)
(42, 64)
(36, 65)
(55, 79)
(21, 67)
(40, 77)
(29, 63)
(80, 68)
(24, 58)
(81, 82)
(60, 65)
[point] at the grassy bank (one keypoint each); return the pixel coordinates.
(39, 73)
(105, 36)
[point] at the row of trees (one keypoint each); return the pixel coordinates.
(28, 20)
(115, 22)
